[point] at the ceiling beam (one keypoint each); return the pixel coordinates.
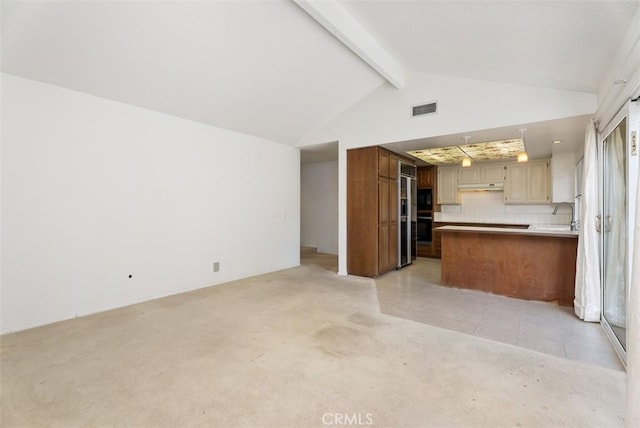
(332, 16)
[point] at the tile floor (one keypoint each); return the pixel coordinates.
(415, 293)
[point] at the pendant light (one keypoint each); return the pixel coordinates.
(523, 156)
(466, 161)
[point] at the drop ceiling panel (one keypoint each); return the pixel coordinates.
(494, 150)
(490, 150)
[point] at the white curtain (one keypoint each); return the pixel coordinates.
(615, 224)
(587, 290)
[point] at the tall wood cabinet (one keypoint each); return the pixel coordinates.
(372, 211)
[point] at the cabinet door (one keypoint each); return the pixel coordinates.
(515, 190)
(492, 173)
(383, 163)
(538, 182)
(393, 167)
(469, 175)
(430, 176)
(448, 185)
(384, 200)
(393, 246)
(425, 177)
(563, 173)
(383, 249)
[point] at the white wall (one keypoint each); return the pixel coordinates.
(95, 190)
(319, 206)
(464, 105)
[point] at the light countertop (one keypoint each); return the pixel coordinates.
(510, 231)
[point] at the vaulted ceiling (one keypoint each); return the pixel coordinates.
(553, 44)
(262, 68)
(267, 68)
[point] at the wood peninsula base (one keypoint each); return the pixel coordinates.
(525, 264)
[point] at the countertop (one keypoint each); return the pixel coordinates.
(510, 231)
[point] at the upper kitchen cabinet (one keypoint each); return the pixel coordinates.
(515, 190)
(477, 174)
(425, 178)
(563, 167)
(538, 182)
(492, 173)
(527, 183)
(383, 163)
(447, 192)
(469, 175)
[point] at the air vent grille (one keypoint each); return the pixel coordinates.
(424, 109)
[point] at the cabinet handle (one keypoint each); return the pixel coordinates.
(598, 223)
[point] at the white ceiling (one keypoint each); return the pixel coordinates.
(554, 44)
(268, 69)
(262, 68)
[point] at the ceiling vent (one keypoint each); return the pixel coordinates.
(424, 109)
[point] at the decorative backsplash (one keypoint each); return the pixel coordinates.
(489, 207)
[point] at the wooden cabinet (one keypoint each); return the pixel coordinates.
(448, 185)
(492, 173)
(515, 189)
(384, 208)
(469, 175)
(538, 182)
(531, 267)
(372, 211)
(563, 174)
(425, 177)
(527, 183)
(393, 166)
(383, 163)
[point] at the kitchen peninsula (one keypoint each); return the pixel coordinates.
(522, 263)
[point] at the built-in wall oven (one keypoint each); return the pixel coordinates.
(425, 200)
(425, 216)
(424, 229)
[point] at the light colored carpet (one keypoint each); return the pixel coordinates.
(288, 349)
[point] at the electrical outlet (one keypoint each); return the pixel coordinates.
(216, 266)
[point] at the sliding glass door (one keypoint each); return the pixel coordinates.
(619, 187)
(615, 232)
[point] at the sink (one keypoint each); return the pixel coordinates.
(550, 227)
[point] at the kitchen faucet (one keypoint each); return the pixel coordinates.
(573, 222)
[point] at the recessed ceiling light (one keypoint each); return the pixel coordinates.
(557, 141)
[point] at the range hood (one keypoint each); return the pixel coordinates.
(481, 186)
